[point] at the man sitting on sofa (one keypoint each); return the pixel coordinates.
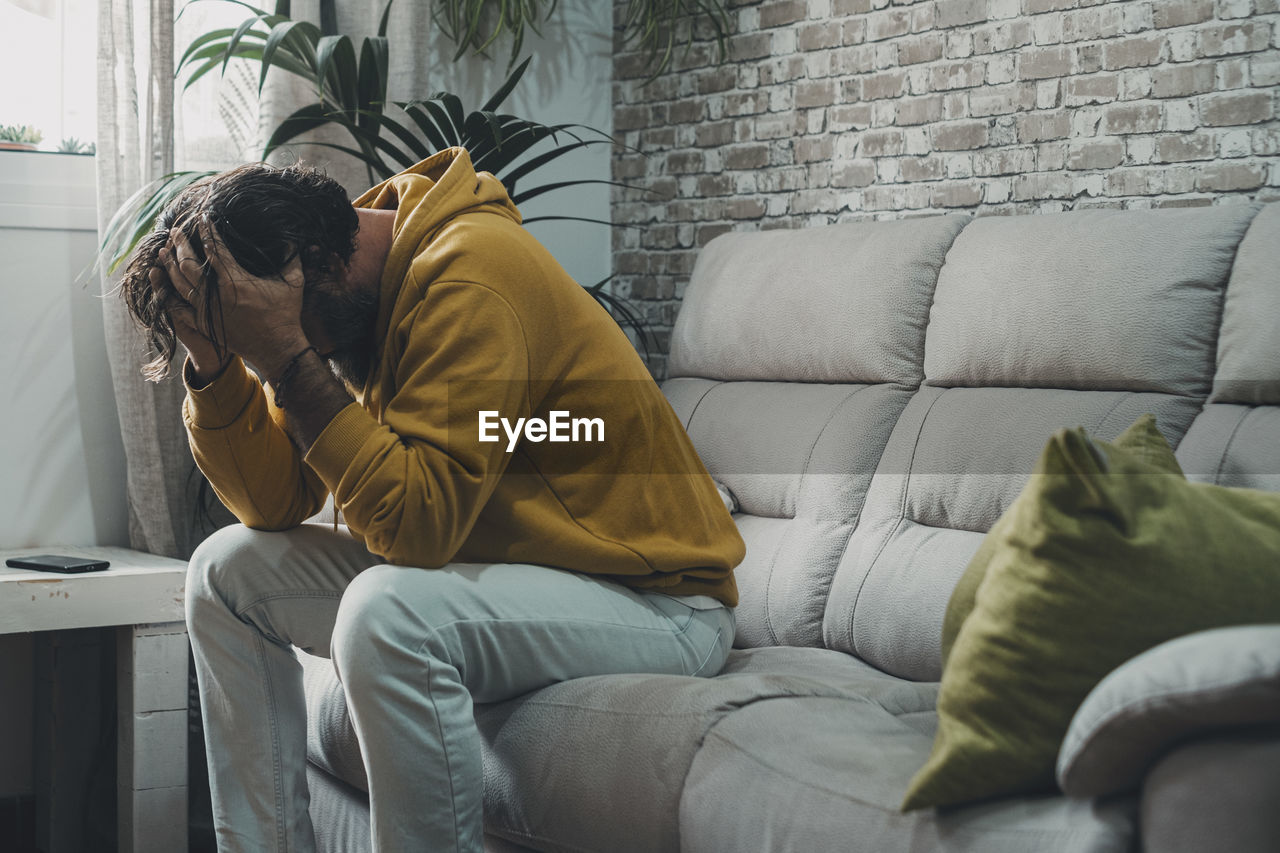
(414, 349)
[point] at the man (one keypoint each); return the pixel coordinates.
(480, 562)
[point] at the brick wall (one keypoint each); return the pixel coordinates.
(835, 110)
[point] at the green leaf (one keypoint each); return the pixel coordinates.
(501, 95)
(300, 121)
(524, 196)
(372, 83)
(279, 33)
(244, 27)
(382, 24)
(426, 123)
(442, 122)
(136, 217)
(336, 66)
(417, 150)
(457, 115)
(567, 219)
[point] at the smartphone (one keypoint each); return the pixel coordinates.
(55, 563)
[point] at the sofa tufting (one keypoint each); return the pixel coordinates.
(874, 395)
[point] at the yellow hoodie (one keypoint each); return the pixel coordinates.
(474, 317)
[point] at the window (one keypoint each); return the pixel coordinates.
(48, 68)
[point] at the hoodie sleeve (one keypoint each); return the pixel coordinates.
(413, 484)
(239, 443)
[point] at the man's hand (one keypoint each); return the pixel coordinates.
(205, 359)
(261, 318)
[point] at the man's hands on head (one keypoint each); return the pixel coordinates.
(260, 318)
(261, 321)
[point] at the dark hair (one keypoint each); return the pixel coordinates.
(266, 215)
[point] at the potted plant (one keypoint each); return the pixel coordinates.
(350, 80)
(19, 137)
(71, 145)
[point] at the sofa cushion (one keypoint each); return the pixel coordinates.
(599, 763)
(1230, 445)
(798, 457)
(1104, 299)
(1103, 557)
(843, 303)
(955, 462)
(827, 773)
(1249, 348)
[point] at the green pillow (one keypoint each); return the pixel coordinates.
(1102, 556)
(1143, 441)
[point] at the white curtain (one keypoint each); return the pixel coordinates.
(140, 138)
(135, 145)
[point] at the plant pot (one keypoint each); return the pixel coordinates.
(17, 146)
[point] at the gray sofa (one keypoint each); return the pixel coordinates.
(874, 395)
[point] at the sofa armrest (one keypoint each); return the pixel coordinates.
(1193, 685)
(1215, 792)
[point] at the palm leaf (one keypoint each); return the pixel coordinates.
(137, 216)
(521, 198)
(371, 85)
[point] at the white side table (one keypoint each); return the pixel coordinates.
(142, 594)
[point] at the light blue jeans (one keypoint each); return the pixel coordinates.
(414, 649)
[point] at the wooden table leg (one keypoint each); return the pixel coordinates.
(151, 669)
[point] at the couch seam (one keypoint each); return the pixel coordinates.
(933, 296)
(1226, 448)
(1222, 303)
(715, 383)
(902, 515)
(773, 563)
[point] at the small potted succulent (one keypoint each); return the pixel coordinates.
(71, 145)
(20, 137)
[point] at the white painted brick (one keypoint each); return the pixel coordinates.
(1001, 9)
(959, 45)
(1235, 143)
(1047, 94)
(1138, 17)
(1234, 9)
(1140, 150)
(883, 113)
(1000, 69)
(1180, 115)
(1047, 29)
(1182, 45)
(917, 141)
(918, 80)
(1086, 184)
(959, 165)
(997, 191)
(1134, 84)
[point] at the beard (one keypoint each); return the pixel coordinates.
(348, 318)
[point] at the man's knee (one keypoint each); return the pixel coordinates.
(217, 569)
(378, 617)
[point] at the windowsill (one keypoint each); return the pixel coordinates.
(48, 190)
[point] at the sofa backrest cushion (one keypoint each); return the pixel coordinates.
(1034, 323)
(792, 357)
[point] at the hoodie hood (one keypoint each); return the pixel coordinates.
(426, 197)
